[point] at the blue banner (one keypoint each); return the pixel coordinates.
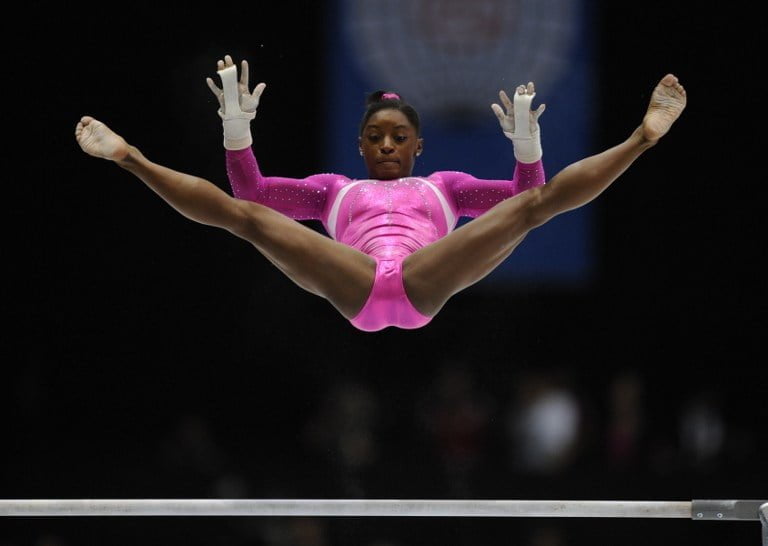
(449, 59)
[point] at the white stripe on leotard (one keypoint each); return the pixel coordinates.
(450, 218)
(333, 216)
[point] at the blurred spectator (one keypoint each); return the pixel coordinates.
(543, 424)
(626, 419)
(456, 415)
(547, 536)
(343, 431)
(193, 445)
(193, 454)
(294, 532)
(702, 430)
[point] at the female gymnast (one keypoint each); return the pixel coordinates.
(393, 257)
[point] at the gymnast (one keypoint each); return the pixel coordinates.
(393, 257)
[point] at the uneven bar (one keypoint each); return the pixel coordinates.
(349, 507)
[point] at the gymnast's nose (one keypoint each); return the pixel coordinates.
(386, 146)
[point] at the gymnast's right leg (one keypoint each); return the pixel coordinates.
(342, 275)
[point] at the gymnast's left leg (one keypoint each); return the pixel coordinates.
(438, 271)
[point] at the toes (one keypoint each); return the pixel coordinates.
(669, 79)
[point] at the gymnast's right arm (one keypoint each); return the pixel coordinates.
(300, 199)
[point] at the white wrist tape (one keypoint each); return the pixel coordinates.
(237, 123)
(526, 138)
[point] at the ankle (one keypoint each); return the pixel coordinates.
(132, 153)
(639, 139)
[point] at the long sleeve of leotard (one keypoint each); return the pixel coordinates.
(298, 198)
(474, 196)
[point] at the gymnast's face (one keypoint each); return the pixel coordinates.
(389, 145)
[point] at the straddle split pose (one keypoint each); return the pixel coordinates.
(393, 257)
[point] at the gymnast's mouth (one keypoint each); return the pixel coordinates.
(389, 160)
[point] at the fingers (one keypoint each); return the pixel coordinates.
(506, 101)
(213, 87)
(244, 73)
(524, 95)
(227, 62)
(258, 90)
(528, 89)
(498, 111)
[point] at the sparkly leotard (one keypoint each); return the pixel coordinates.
(386, 219)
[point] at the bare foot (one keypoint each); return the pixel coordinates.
(98, 140)
(667, 103)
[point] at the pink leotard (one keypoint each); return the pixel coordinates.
(386, 219)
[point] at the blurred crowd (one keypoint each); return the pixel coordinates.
(459, 435)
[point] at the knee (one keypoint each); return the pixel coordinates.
(246, 223)
(536, 210)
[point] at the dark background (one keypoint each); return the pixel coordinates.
(147, 356)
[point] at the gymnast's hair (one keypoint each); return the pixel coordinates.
(382, 100)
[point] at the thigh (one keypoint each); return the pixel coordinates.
(463, 257)
(337, 272)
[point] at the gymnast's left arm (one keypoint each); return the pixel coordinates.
(519, 123)
(474, 196)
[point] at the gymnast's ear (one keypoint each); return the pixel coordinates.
(420, 146)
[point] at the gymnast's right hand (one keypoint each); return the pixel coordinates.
(237, 105)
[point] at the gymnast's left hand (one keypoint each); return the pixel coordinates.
(513, 121)
(521, 124)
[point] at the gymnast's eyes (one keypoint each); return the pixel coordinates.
(373, 138)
